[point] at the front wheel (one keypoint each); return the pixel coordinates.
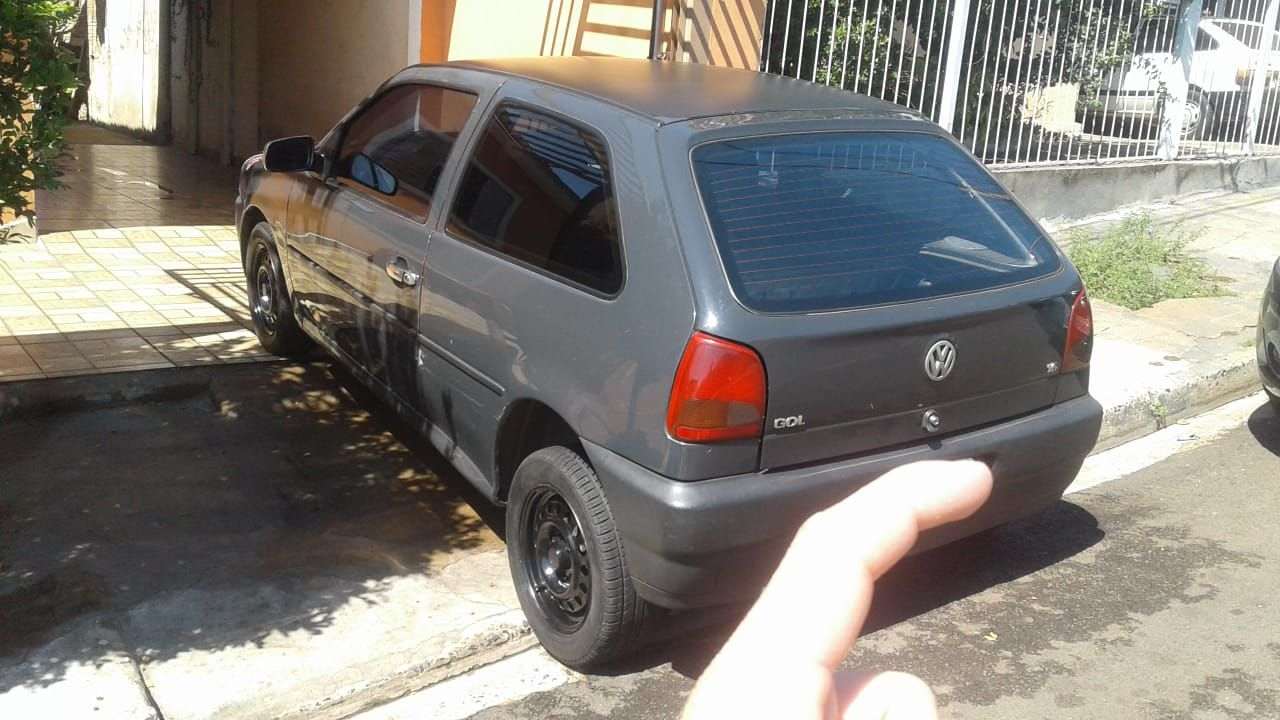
(269, 303)
(567, 562)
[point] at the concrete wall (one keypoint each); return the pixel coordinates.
(214, 79)
(314, 65)
(1068, 193)
(127, 51)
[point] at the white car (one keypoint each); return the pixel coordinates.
(1227, 53)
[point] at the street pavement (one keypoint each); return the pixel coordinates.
(1150, 596)
(267, 542)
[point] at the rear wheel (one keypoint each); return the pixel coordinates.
(1199, 116)
(269, 302)
(567, 562)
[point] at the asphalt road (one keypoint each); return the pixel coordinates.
(1152, 596)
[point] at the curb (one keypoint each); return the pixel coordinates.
(32, 398)
(1157, 409)
(493, 645)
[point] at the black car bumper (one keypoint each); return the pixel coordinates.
(1268, 344)
(692, 544)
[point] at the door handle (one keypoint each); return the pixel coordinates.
(398, 270)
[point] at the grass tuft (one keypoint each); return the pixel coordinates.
(1137, 263)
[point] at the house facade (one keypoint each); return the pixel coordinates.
(230, 74)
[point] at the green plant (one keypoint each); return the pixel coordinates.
(36, 81)
(1137, 263)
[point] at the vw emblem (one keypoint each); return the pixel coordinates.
(940, 360)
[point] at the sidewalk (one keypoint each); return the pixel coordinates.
(1154, 366)
(136, 268)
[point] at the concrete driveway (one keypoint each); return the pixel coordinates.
(258, 543)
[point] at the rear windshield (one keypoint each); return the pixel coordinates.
(815, 222)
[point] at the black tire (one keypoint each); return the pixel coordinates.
(269, 302)
(1206, 125)
(611, 622)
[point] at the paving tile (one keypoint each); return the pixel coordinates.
(14, 361)
(40, 337)
(16, 377)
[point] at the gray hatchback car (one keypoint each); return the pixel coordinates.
(663, 312)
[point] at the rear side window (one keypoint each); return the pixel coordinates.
(816, 222)
(537, 189)
(397, 147)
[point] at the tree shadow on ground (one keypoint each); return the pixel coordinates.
(263, 504)
(915, 586)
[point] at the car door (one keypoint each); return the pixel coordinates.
(314, 226)
(388, 165)
(531, 242)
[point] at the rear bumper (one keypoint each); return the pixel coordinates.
(1129, 105)
(692, 544)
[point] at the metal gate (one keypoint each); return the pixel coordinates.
(1051, 81)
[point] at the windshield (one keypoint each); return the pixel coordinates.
(830, 221)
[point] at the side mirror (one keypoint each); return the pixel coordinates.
(289, 154)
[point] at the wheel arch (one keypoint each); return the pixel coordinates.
(527, 425)
(248, 221)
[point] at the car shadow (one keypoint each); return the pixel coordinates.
(1264, 424)
(915, 586)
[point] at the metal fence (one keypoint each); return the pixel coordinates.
(1051, 81)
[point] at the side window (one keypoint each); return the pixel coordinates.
(398, 146)
(1205, 41)
(537, 189)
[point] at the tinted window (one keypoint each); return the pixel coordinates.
(397, 147)
(829, 221)
(1205, 41)
(537, 188)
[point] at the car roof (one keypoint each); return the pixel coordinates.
(675, 91)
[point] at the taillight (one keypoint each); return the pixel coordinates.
(718, 393)
(1079, 347)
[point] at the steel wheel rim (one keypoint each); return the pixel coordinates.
(556, 563)
(264, 296)
(1191, 118)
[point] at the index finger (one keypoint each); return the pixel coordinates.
(814, 605)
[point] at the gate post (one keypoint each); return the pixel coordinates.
(952, 64)
(1261, 68)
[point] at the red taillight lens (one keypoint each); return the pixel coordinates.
(1079, 345)
(718, 393)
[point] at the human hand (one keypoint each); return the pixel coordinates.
(782, 660)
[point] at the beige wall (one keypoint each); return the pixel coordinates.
(313, 66)
(720, 32)
(125, 45)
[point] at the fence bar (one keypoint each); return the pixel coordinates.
(1034, 53)
(954, 59)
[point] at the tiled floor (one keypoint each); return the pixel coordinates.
(113, 181)
(130, 283)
